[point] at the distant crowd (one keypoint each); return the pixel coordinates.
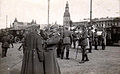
(41, 47)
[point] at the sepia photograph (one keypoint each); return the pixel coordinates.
(59, 36)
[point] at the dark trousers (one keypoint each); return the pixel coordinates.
(103, 44)
(67, 51)
(90, 50)
(4, 51)
(12, 45)
(74, 43)
(59, 50)
(84, 54)
(96, 45)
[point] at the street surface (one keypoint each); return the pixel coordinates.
(100, 62)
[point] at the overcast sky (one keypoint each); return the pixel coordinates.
(26, 10)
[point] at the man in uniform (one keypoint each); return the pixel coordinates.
(5, 44)
(83, 44)
(74, 39)
(95, 39)
(11, 39)
(103, 39)
(90, 34)
(33, 53)
(66, 42)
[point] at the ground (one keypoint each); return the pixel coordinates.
(100, 62)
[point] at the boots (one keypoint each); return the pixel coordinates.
(67, 55)
(62, 54)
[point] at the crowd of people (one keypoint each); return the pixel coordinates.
(42, 47)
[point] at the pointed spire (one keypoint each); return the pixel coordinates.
(32, 22)
(15, 20)
(35, 22)
(66, 13)
(55, 22)
(67, 5)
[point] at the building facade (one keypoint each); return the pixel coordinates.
(97, 22)
(19, 28)
(107, 22)
(23, 25)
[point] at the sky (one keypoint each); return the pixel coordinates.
(26, 10)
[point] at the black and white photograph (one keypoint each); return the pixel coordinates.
(59, 36)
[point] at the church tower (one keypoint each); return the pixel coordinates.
(66, 17)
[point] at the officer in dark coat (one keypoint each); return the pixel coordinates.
(51, 64)
(33, 53)
(5, 44)
(83, 44)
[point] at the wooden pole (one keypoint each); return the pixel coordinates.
(90, 12)
(6, 20)
(48, 12)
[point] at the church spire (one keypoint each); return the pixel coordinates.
(15, 20)
(67, 7)
(66, 13)
(66, 17)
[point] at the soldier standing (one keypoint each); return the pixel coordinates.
(74, 39)
(103, 40)
(66, 42)
(95, 39)
(90, 34)
(33, 53)
(11, 39)
(5, 44)
(83, 44)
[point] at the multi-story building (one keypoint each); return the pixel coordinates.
(18, 28)
(23, 25)
(107, 22)
(98, 22)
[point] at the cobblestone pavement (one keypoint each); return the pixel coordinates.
(101, 62)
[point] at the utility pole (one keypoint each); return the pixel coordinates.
(119, 8)
(48, 12)
(6, 20)
(90, 12)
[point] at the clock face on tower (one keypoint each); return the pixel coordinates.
(67, 9)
